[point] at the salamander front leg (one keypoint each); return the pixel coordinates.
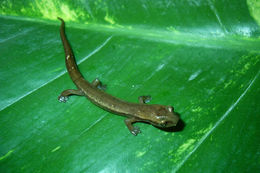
(144, 99)
(66, 93)
(97, 83)
(129, 123)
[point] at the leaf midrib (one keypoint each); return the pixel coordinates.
(195, 39)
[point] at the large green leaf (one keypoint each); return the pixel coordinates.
(202, 57)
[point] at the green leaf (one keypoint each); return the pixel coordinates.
(202, 57)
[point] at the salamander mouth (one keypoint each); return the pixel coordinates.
(171, 123)
(168, 124)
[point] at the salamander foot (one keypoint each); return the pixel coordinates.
(136, 131)
(63, 99)
(97, 83)
(64, 96)
(144, 99)
(133, 129)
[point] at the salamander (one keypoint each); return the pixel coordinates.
(155, 114)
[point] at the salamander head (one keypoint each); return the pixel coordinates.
(163, 116)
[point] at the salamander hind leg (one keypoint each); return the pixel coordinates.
(144, 99)
(66, 93)
(129, 123)
(97, 83)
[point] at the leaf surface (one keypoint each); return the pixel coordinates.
(202, 57)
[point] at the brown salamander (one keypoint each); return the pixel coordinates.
(157, 115)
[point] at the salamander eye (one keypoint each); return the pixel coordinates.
(170, 108)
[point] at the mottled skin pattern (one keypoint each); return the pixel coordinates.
(158, 115)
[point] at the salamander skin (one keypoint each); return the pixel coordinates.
(157, 115)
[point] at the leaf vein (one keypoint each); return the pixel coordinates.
(216, 125)
(59, 75)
